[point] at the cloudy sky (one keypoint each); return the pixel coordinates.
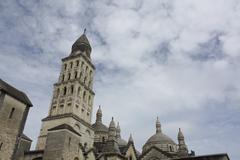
(176, 59)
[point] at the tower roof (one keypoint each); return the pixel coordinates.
(81, 43)
(82, 40)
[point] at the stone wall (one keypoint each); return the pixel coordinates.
(62, 145)
(11, 119)
(86, 132)
(24, 146)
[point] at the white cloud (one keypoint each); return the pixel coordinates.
(144, 57)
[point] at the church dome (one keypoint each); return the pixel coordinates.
(121, 142)
(99, 127)
(160, 140)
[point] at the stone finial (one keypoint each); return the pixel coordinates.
(84, 31)
(99, 115)
(180, 134)
(130, 139)
(112, 124)
(158, 126)
(118, 131)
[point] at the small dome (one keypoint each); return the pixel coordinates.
(121, 142)
(159, 139)
(99, 127)
(112, 124)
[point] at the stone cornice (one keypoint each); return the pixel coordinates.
(79, 55)
(66, 116)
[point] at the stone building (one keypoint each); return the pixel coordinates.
(67, 133)
(14, 107)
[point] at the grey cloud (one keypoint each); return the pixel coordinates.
(164, 58)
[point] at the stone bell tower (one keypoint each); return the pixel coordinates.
(72, 100)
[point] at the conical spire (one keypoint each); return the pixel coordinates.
(130, 140)
(118, 131)
(158, 126)
(112, 130)
(180, 134)
(99, 115)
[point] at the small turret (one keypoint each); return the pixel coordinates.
(112, 130)
(99, 115)
(182, 147)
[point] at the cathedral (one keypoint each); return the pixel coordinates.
(68, 133)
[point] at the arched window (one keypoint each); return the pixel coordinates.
(11, 113)
(77, 127)
(69, 141)
(77, 63)
(84, 81)
(88, 132)
(90, 73)
(89, 99)
(72, 89)
(89, 83)
(86, 69)
(79, 90)
(76, 158)
(84, 95)
(76, 74)
(69, 76)
(1, 144)
(64, 90)
(80, 75)
(103, 139)
(71, 64)
(82, 64)
(57, 94)
(65, 66)
(63, 76)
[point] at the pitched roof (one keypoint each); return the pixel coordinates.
(19, 95)
(64, 126)
(26, 137)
